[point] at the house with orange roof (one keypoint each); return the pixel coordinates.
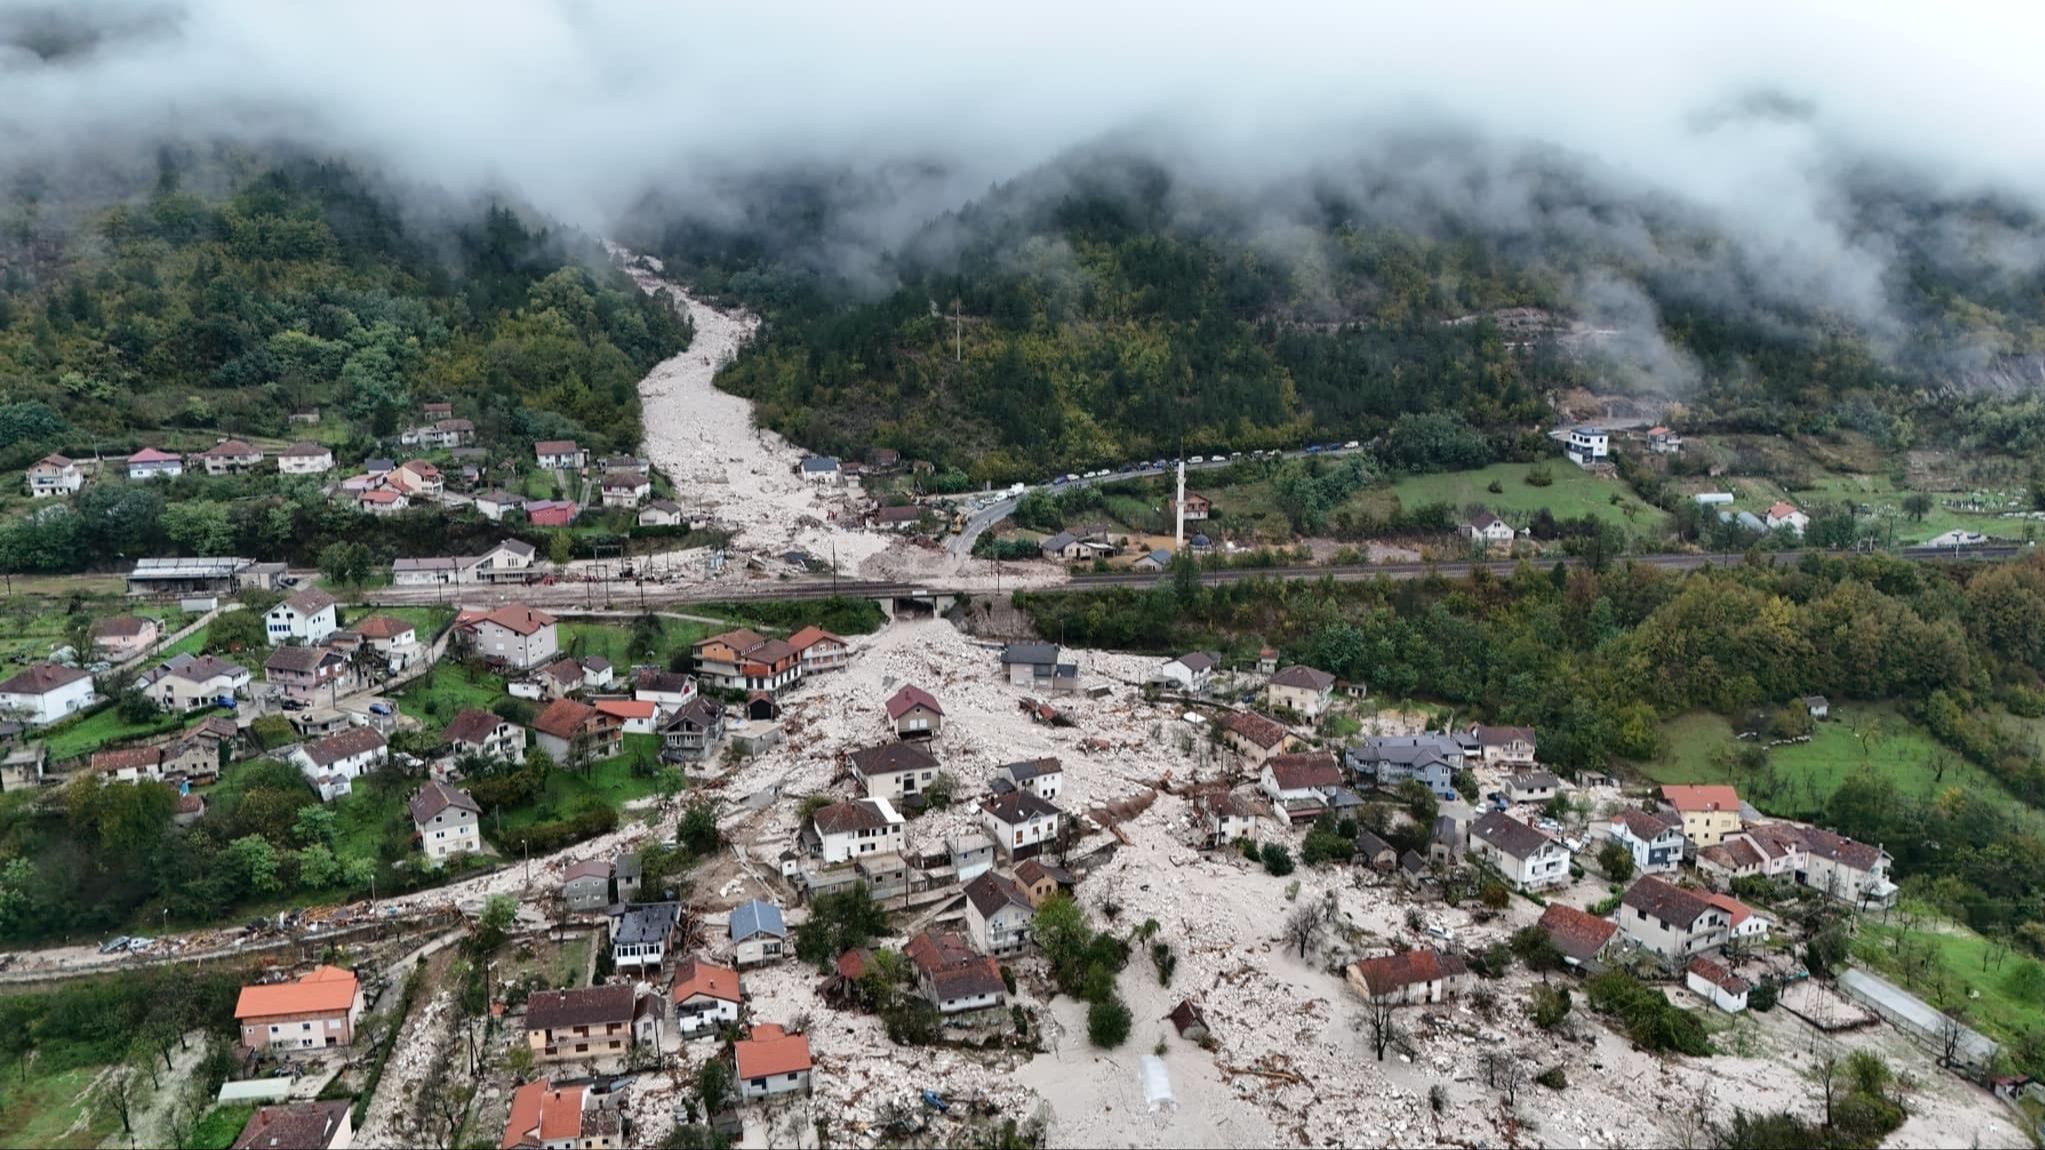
(771, 1061)
(819, 650)
(640, 716)
(1710, 812)
(705, 996)
(314, 1012)
(546, 1117)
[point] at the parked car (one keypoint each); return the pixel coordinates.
(113, 945)
(1197, 459)
(1352, 445)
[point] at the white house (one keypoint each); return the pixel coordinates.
(820, 469)
(1304, 691)
(771, 1061)
(1409, 978)
(1299, 784)
(516, 635)
(1489, 531)
(230, 457)
(307, 617)
(1187, 672)
(1717, 985)
(186, 681)
(626, 488)
(1020, 823)
(852, 829)
(447, 821)
(43, 693)
(1587, 445)
(705, 997)
(54, 475)
(149, 463)
(493, 504)
(998, 915)
(661, 513)
(1527, 858)
(304, 458)
(642, 932)
(1655, 840)
(954, 978)
(478, 732)
(894, 771)
(1782, 514)
(1043, 778)
(1670, 921)
(1230, 817)
(334, 763)
(558, 455)
(1532, 786)
(1503, 746)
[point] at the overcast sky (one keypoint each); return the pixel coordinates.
(1742, 109)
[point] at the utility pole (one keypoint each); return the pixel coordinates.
(958, 328)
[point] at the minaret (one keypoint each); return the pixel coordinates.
(1179, 508)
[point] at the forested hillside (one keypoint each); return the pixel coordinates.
(1596, 660)
(1110, 310)
(177, 316)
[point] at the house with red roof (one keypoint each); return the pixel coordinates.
(1416, 976)
(915, 713)
(149, 463)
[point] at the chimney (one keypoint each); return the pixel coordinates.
(1179, 507)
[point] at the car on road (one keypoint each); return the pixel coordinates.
(1313, 449)
(114, 945)
(1352, 445)
(1197, 459)
(1057, 479)
(1071, 478)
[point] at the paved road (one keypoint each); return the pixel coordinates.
(1907, 1010)
(961, 545)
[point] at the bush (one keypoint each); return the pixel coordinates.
(1646, 1015)
(938, 795)
(1762, 997)
(1615, 860)
(1465, 783)
(1107, 1023)
(1164, 960)
(1277, 860)
(1326, 846)
(1540, 476)
(1495, 487)
(837, 923)
(1551, 1006)
(1494, 895)
(1553, 1078)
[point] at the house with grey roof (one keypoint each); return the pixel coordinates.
(1389, 760)
(757, 933)
(641, 934)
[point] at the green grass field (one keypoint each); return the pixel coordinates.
(106, 726)
(56, 1109)
(428, 620)
(1573, 494)
(1250, 508)
(1698, 747)
(609, 783)
(2004, 999)
(439, 696)
(220, 1127)
(1877, 495)
(611, 640)
(191, 644)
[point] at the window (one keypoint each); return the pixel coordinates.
(757, 1083)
